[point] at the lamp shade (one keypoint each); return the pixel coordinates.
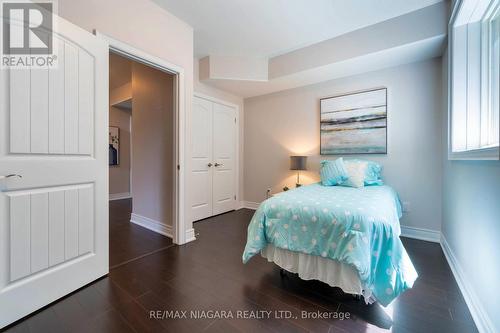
(298, 162)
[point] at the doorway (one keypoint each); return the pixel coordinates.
(141, 159)
(178, 231)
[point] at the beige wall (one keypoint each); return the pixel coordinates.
(207, 90)
(120, 83)
(120, 71)
(145, 26)
(285, 123)
(119, 175)
(152, 143)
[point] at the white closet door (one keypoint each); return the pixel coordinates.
(201, 160)
(224, 155)
(53, 132)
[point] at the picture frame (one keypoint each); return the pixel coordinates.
(354, 123)
(114, 146)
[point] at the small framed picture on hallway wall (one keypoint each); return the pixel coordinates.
(114, 145)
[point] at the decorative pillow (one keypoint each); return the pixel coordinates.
(356, 173)
(333, 172)
(372, 174)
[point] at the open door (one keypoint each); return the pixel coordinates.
(53, 133)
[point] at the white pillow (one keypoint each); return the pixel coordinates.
(356, 172)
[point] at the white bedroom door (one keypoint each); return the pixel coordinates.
(53, 134)
(201, 159)
(224, 150)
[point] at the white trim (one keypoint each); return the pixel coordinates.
(126, 50)
(465, 12)
(215, 100)
(190, 235)
(250, 205)
(151, 224)
(421, 234)
(138, 55)
(119, 196)
(486, 154)
(480, 316)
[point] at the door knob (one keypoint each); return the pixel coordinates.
(209, 165)
(11, 176)
(219, 164)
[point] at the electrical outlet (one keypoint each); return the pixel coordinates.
(406, 207)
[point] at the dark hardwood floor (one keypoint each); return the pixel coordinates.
(208, 275)
(127, 240)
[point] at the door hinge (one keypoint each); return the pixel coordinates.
(234, 197)
(235, 120)
(178, 167)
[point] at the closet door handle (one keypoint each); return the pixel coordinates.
(219, 164)
(209, 165)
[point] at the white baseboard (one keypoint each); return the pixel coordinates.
(250, 205)
(421, 234)
(151, 224)
(190, 235)
(480, 316)
(119, 196)
(159, 227)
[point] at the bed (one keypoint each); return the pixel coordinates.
(346, 237)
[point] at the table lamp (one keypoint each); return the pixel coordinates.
(298, 163)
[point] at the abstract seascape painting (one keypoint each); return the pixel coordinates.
(354, 123)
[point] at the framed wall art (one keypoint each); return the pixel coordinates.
(354, 123)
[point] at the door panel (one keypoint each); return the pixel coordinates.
(47, 117)
(54, 132)
(224, 151)
(85, 102)
(201, 152)
(39, 225)
(56, 227)
(39, 131)
(70, 99)
(20, 140)
(86, 220)
(19, 238)
(56, 102)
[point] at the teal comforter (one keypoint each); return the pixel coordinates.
(358, 227)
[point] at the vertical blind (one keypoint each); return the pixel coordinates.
(474, 116)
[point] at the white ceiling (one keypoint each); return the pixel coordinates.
(266, 28)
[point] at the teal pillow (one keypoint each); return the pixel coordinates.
(333, 172)
(373, 174)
